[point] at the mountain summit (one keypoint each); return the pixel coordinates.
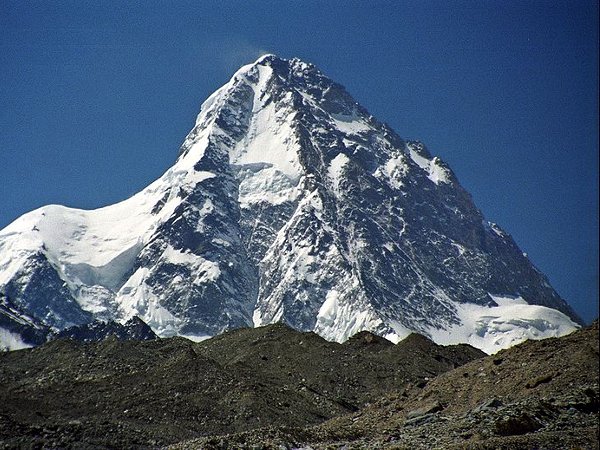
(288, 202)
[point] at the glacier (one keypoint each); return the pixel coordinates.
(288, 202)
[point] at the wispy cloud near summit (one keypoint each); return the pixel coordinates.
(232, 54)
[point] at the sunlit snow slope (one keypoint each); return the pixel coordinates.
(288, 202)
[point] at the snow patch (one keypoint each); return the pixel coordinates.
(178, 257)
(349, 124)
(195, 337)
(508, 300)
(207, 271)
(266, 160)
(421, 161)
(136, 298)
(459, 248)
(493, 328)
(264, 184)
(436, 172)
(329, 309)
(393, 171)
(10, 341)
(336, 170)
(339, 319)
(270, 140)
(495, 228)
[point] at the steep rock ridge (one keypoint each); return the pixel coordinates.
(17, 328)
(288, 202)
(172, 254)
(381, 233)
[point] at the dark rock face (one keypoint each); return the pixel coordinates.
(288, 202)
(15, 321)
(521, 423)
(31, 332)
(38, 290)
(210, 307)
(134, 329)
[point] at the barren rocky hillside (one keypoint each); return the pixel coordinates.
(151, 393)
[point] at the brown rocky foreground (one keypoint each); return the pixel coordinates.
(537, 395)
(273, 387)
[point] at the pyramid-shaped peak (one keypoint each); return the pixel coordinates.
(293, 68)
(272, 76)
(271, 59)
(288, 203)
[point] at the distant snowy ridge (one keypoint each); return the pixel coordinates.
(288, 202)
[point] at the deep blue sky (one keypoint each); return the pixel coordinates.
(96, 97)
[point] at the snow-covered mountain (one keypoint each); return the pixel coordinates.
(288, 202)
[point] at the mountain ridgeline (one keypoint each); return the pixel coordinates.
(288, 203)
